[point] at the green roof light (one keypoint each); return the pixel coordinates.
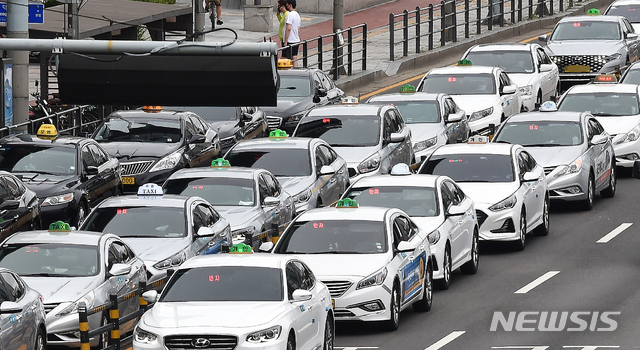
(59, 226)
(220, 163)
(278, 134)
(407, 89)
(465, 62)
(593, 12)
(240, 248)
(347, 203)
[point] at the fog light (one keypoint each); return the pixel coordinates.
(572, 190)
(374, 305)
(631, 156)
(507, 226)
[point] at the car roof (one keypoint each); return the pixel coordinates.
(165, 201)
(416, 96)
(44, 236)
(565, 116)
(140, 114)
(330, 213)
(479, 148)
(267, 143)
(364, 110)
(59, 141)
(295, 71)
(587, 18)
(250, 260)
(413, 180)
(463, 69)
(625, 2)
(503, 47)
(232, 172)
(607, 87)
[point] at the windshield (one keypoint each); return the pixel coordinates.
(415, 201)
(586, 30)
(471, 167)
(631, 77)
(210, 114)
(50, 259)
(38, 159)
(342, 131)
(414, 112)
(460, 84)
(335, 237)
(215, 190)
(145, 222)
(280, 161)
(294, 86)
(122, 130)
(510, 61)
(631, 12)
(601, 104)
(224, 283)
(541, 133)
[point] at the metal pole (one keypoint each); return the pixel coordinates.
(392, 28)
(198, 20)
(338, 26)
(73, 21)
(364, 46)
(18, 29)
(417, 29)
(405, 33)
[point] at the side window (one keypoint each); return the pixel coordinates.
(531, 162)
(590, 131)
(389, 126)
(263, 188)
(207, 215)
(87, 157)
(14, 288)
(199, 129)
(326, 82)
(399, 121)
(317, 82)
(5, 295)
(458, 193)
(406, 228)
(5, 192)
(627, 27)
(198, 219)
(320, 159)
(329, 156)
(597, 127)
(308, 280)
(522, 164)
(98, 155)
(274, 185)
(447, 108)
(456, 196)
(15, 189)
(122, 251)
(447, 197)
(113, 257)
(189, 129)
(294, 278)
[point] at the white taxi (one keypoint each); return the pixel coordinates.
(238, 301)
(375, 261)
(487, 94)
(438, 206)
(507, 185)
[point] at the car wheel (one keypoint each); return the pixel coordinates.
(543, 229)
(539, 99)
(82, 213)
(394, 309)
(502, 119)
(610, 191)
(319, 203)
(520, 243)
(329, 334)
(425, 303)
(471, 266)
(587, 204)
(445, 281)
(41, 340)
(104, 339)
(291, 343)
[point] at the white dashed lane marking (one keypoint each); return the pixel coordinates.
(538, 281)
(446, 340)
(611, 235)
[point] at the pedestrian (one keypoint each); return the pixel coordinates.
(281, 13)
(292, 35)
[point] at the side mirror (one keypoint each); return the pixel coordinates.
(509, 89)
(408, 246)
(91, 170)
(454, 118)
(322, 92)
(636, 169)
(266, 247)
(150, 296)
(10, 204)
(632, 36)
(396, 137)
(10, 307)
(205, 231)
(301, 295)
(327, 170)
(546, 67)
(197, 139)
(271, 202)
(246, 117)
(455, 210)
(544, 38)
(529, 177)
(599, 139)
(119, 270)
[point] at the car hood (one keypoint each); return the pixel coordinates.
(48, 185)
(427, 223)
(619, 125)
(522, 79)
(583, 47)
(330, 266)
(238, 216)
(225, 128)
(295, 184)
(636, 27)
(62, 289)
(553, 156)
(156, 249)
(424, 131)
(355, 154)
(127, 150)
(287, 107)
(199, 314)
(488, 193)
(473, 103)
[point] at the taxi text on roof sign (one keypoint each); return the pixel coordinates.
(285, 63)
(59, 226)
(605, 78)
(478, 139)
(150, 190)
(349, 100)
(278, 134)
(407, 89)
(47, 131)
(240, 248)
(220, 163)
(347, 203)
(465, 62)
(548, 106)
(593, 12)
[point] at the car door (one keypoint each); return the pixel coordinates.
(463, 226)
(17, 328)
(319, 90)
(107, 178)
(454, 130)
(600, 157)
(412, 269)
(271, 213)
(510, 103)
(116, 284)
(9, 217)
(536, 207)
(276, 191)
(26, 211)
(548, 80)
(631, 43)
(130, 282)
(334, 184)
(525, 191)
(199, 154)
(303, 321)
(315, 305)
(91, 182)
(205, 216)
(334, 94)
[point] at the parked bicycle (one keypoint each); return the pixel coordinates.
(216, 12)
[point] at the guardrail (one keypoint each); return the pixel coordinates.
(69, 120)
(441, 22)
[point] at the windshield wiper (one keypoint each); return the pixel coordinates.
(501, 141)
(43, 274)
(337, 252)
(37, 172)
(544, 145)
(603, 114)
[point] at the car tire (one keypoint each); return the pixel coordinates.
(83, 210)
(394, 308)
(319, 203)
(610, 191)
(291, 342)
(471, 266)
(543, 229)
(104, 339)
(587, 204)
(520, 243)
(445, 281)
(36, 224)
(424, 304)
(41, 340)
(539, 99)
(329, 334)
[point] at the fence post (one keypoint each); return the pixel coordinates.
(479, 17)
(541, 8)
(84, 326)
(336, 44)
(561, 5)
(454, 14)
(305, 50)
(513, 11)
(391, 35)
(142, 287)
(320, 53)
(405, 33)
(551, 7)
(417, 29)
(490, 17)
(431, 26)
(530, 9)
(364, 47)
(114, 315)
(466, 19)
(570, 3)
(519, 10)
(442, 24)
(501, 13)
(350, 51)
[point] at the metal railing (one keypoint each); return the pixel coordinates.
(67, 121)
(451, 19)
(344, 52)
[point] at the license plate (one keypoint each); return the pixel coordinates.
(577, 68)
(128, 180)
(333, 304)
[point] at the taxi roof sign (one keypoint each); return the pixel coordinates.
(400, 169)
(349, 100)
(151, 190)
(47, 132)
(593, 12)
(605, 78)
(285, 63)
(464, 62)
(548, 106)
(152, 109)
(240, 248)
(478, 139)
(59, 226)
(347, 203)
(278, 134)
(220, 163)
(407, 89)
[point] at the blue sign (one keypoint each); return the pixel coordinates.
(8, 94)
(36, 13)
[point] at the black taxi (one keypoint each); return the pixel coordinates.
(68, 174)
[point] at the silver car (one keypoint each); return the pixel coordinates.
(22, 318)
(164, 231)
(575, 151)
(250, 199)
(71, 267)
(309, 169)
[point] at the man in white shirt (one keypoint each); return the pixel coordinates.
(291, 36)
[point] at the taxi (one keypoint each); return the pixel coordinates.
(164, 230)
(631, 75)
(487, 94)
(506, 184)
(72, 267)
(152, 143)
(68, 174)
(19, 206)
(434, 119)
(239, 301)
(371, 138)
(375, 261)
(574, 149)
(616, 107)
(252, 200)
(438, 206)
(308, 168)
(628, 9)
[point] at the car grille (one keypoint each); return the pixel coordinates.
(135, 168)
(49, 307)
(227, 142)
(548, 169)
(273, 122)
(481, 217)
(595, 62)
(352, 172)
(343, 313)
(337, 288)
(179, 342)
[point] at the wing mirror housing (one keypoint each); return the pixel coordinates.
(119, 270)
(10, 204)
(10, 307)
(301, 295)
(599, 139)
(271, 202)
(266, 247)
(543, 38)
(408, 246)
(546, 67)
(396, 137)
(205, 231)
(197, 139)
(454, 117)
(509, 89)
(327, 170)
(150, 296)
(529, 177)
(455, 210)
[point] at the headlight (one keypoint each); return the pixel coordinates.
(508, 203)
(375, 279)
(419, 146)
(87, 299)
(433, 237)
(613, 57)
(238, 236)
(526, 90)
(628, 137)
(370, 164)
(59, 199)
(173, 261)
(572, 168)
(142, 336)
(168, 162)
(481, 114)
(303, 196)
(295, 118)
(264, 335)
